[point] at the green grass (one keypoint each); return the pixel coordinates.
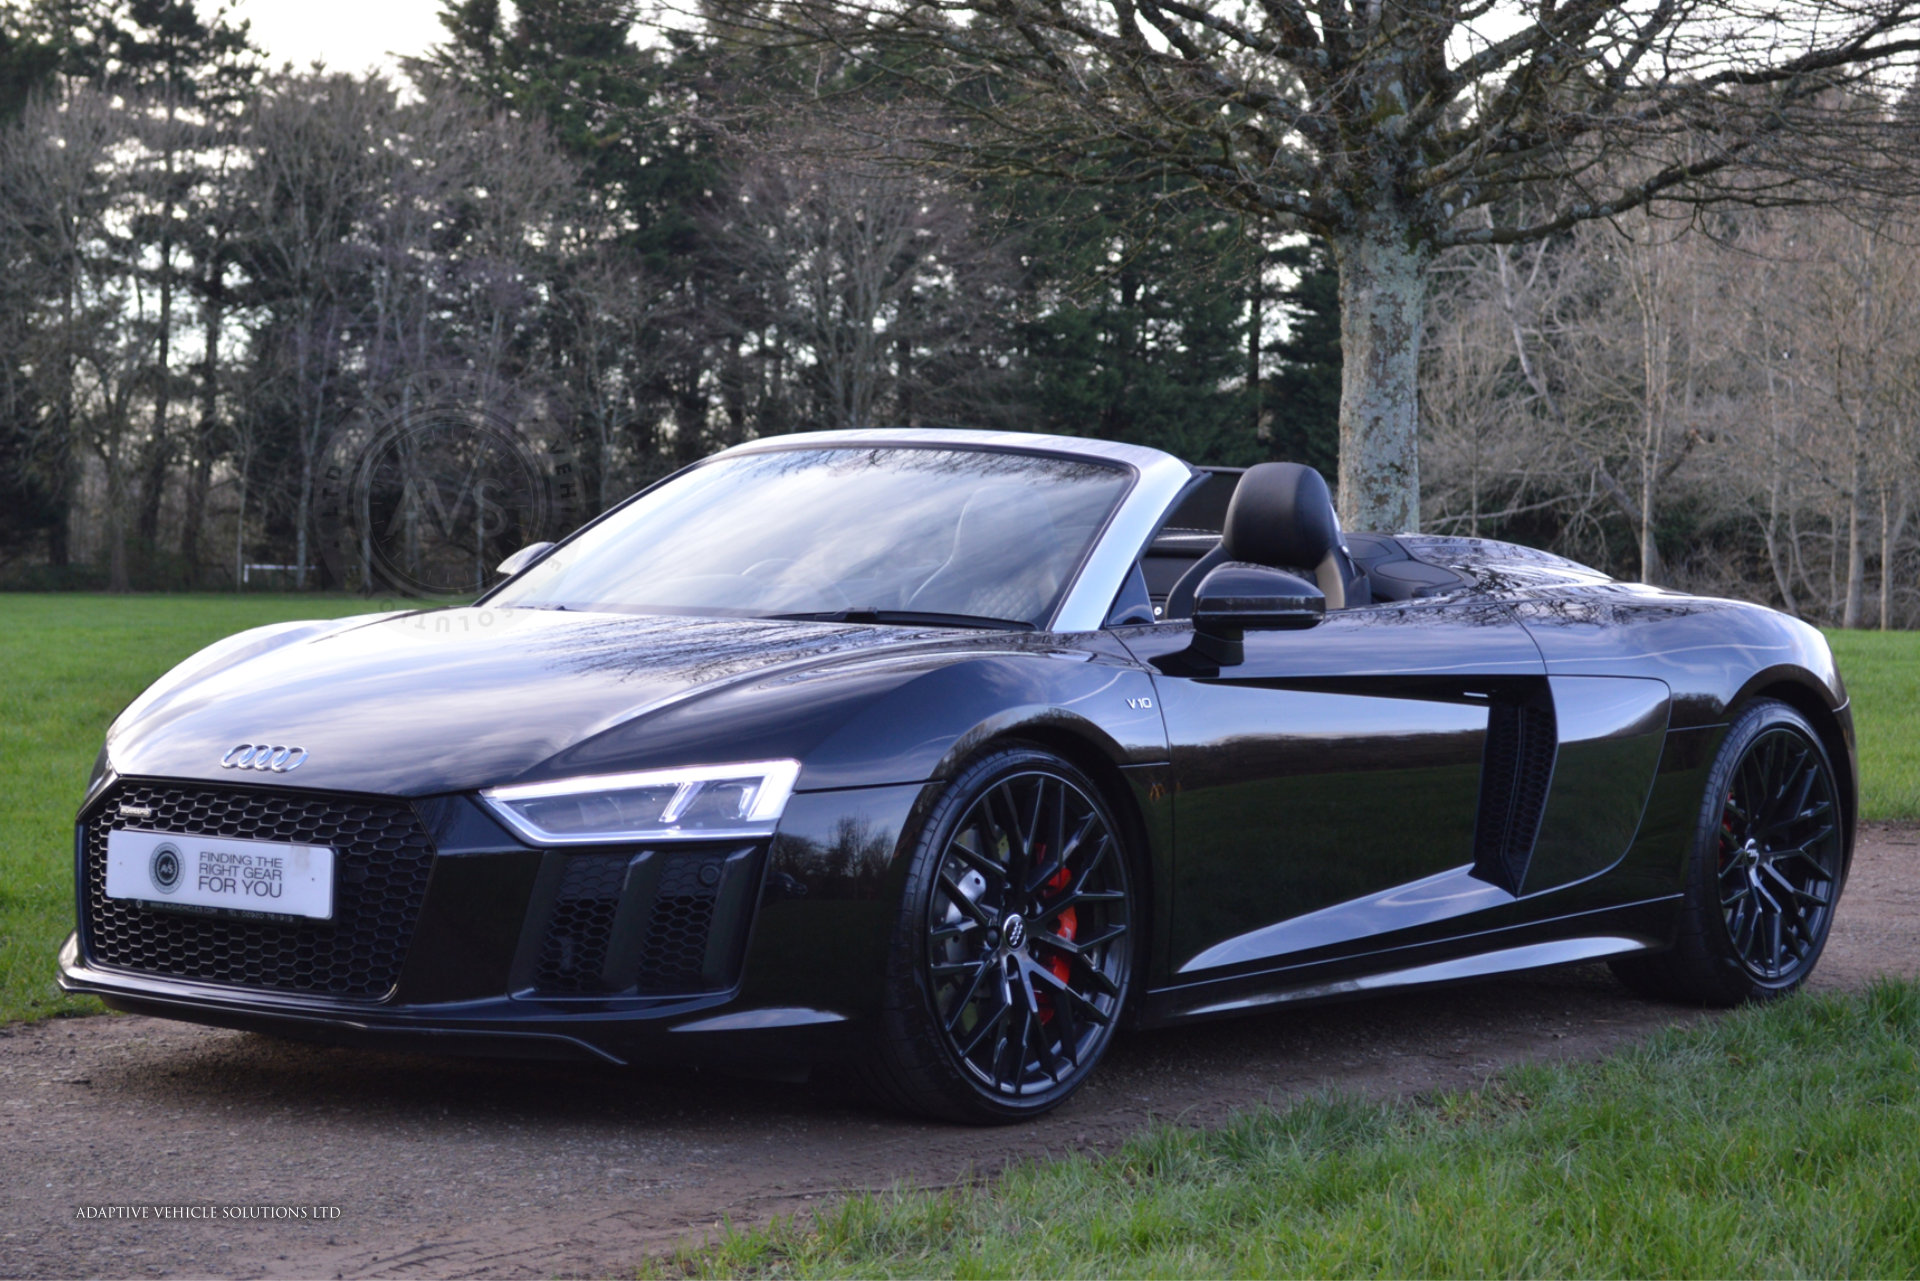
(1777, 1141)
(1882, 671)
(68, 664)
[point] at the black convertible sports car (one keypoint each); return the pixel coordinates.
(945, 754)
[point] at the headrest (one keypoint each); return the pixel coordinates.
(1281, 515)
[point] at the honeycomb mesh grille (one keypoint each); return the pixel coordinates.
(673, 954)
(573, 955)
(383, 857)
(657, 946)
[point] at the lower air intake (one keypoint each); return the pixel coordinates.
(664, 922)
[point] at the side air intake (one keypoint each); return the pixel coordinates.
(1514, 776)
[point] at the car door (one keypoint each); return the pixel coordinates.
(1381, 770)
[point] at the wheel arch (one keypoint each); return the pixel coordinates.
(1799, 691)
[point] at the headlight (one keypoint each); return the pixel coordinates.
(699, 803)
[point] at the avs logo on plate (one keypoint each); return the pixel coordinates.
(163, 869)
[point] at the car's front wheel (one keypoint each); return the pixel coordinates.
(1012, 955)
(1765, 875)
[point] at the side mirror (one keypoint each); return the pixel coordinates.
(1237, 596)
(522, 558)
(1234, 598)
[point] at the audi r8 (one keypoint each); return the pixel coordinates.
(944, 755)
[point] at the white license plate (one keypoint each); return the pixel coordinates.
(262, 878)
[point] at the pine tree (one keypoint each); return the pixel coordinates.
(1137, 319)
(1301, 401)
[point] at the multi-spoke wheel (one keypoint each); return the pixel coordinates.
(1767, 867)
(1015, 946)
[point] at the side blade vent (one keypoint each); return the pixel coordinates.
(1514, 776)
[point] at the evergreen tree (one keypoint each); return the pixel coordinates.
(1136, 319)
(612, 105)
(1300, 405)
(619, 111)
(31, 502)
(28, 61)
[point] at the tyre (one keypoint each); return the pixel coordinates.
(1013, 952)
(1766, 869)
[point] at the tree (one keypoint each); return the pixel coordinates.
(619, 111)
(1136, 318)
(183, 78)
(314, 162)
(1393, 129)
(869, 283)
(1301, 402)
(27, 63)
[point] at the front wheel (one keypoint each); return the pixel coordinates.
(1766, 870)
(1013, 952)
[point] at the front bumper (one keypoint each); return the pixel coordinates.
(503, 957)
(711, 1029)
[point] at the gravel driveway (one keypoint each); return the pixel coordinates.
(474, 1168)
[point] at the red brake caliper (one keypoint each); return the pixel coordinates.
(1065, 925)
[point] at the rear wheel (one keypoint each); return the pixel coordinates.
(1766, 870)
(1013, 952)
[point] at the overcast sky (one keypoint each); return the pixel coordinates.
(348, 35)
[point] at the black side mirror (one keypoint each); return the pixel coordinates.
(522, 558)
(1237, 597)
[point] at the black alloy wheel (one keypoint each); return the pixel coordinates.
(1015, 949)
(1767, 869)
(1779, 855)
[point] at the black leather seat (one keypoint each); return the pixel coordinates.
(1281, 516)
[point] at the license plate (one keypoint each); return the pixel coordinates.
(202, 873)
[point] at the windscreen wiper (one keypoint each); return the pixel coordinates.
(910, 617)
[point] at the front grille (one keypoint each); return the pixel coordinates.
(382, 860)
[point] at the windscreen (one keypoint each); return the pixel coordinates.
(820, 532)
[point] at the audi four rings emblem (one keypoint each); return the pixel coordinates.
(260, 756)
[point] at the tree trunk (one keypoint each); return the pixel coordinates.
(1893, 521)
(160, 447)
(1256, 325)
(201, 474)
(1776, 481)
(1383, 294)
(1856, 546)
(303, 516)
(116, 512)
(1654, 355)
(60, 539)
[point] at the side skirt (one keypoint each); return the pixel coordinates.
(1568, 940)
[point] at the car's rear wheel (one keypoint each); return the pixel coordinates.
(1013, 952)
(1766, 869)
